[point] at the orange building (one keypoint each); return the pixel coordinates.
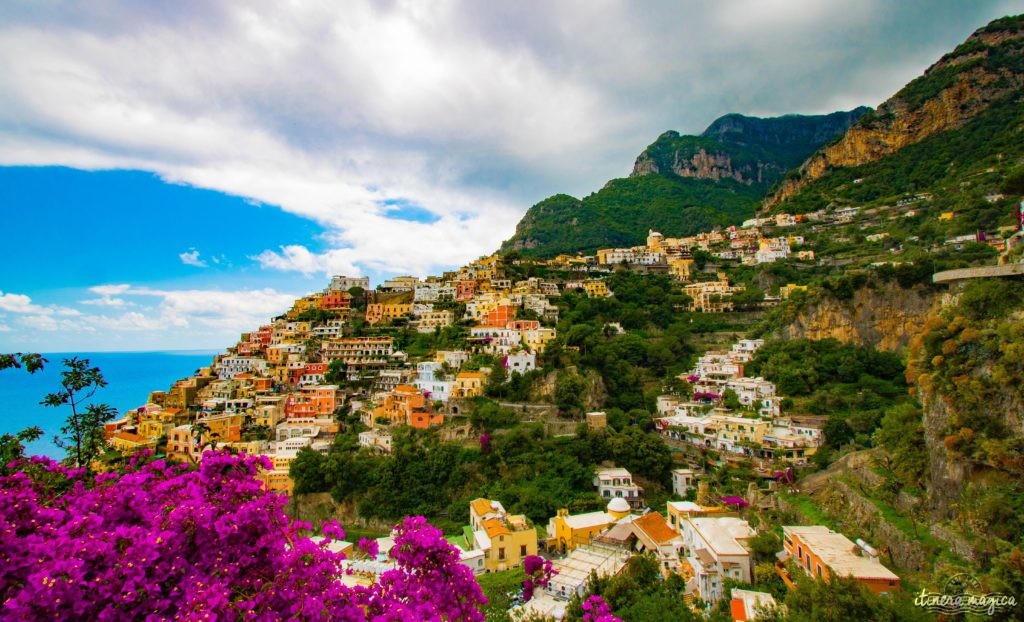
(822, 553)
(406, 405)
(334, 300)
(465, 289)
(500, 315)
(312, 401)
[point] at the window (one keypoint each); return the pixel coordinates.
(522, 550)
(819, 571)
(501, 554)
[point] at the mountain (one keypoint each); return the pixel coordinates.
(979, 80)
(680, 184)
(748, 149)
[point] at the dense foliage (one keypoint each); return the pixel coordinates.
(529, 471)
(852, 384)
(160, 541)
(621, 213)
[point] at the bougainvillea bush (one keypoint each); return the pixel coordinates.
(161, 541)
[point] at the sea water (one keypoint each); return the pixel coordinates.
(130, 376)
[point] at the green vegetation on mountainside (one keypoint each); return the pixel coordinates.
(957, 167)
(621, 213)
(756, 151)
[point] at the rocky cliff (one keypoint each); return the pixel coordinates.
(886, 316)
(749, 150)
(987, 67)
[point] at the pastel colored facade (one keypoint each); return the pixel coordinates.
(468, 384)
(376, 313)
(683, 480)
(787, 290)
(612, 483)
(359, 351)
(716, 550)
(181, 444)
(430, 381)
(655, 535)
(400, 284)
(433, 320)
(567, 531)
(376, 439)
(505, 539)
(312, 401)
(129, 442)
(596, 289)
(332, 300)
(345, 283)
(711, 296)
(520, 362)
(823, 553)
(597, 420)
(407, 405)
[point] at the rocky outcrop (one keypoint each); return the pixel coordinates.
(705, 165)
(746, 149)
(950, 93)
(886, 316)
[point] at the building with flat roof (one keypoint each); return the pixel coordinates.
(823, 553)
(716, 550)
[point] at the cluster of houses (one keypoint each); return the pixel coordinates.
(705, 542)
(754, 427)
(278, 390)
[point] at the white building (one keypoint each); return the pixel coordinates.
(611, 483)
(345, 283)
(683, 480)
(521, 362)
(230, 366)
(716, 550)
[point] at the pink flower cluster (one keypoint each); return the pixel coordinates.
(164, 541)
(538, 573)
(595, 609)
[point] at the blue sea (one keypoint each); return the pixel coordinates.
(130, 377)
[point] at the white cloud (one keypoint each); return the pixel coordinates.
(191, 258)
(20, 303)
(458, 107)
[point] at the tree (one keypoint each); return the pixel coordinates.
(31, 361)
(12, 446)
(337, 372)
(83, 429)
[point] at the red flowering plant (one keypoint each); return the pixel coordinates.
(161, 541)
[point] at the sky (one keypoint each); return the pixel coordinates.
(173, 174)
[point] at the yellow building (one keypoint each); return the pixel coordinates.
(468, 384)
(741, 429)
(386, 312)
(566, 532)
(947, 216)
(505, 539)
(128, 443)
(596, 289)
(787, 290)
(536, 339)
(681, 269)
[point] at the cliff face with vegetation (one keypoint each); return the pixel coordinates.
(886, 316)
(986, 68)
(967, 366)
(680, 185)
(750, 150)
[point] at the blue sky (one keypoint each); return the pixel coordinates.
(171, 178)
